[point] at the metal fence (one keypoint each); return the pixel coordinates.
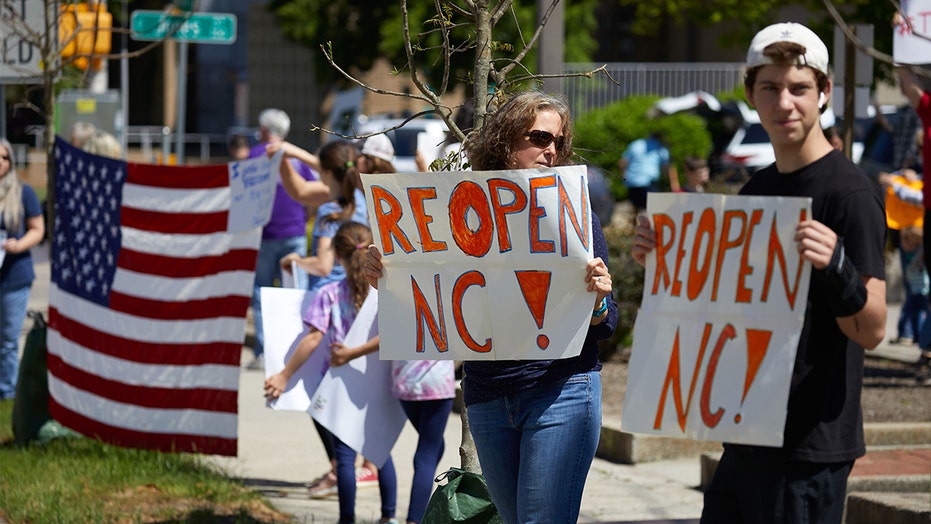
(640, 78)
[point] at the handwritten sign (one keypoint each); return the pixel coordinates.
(907, 46)
(724, 299)
(253, 184)
(482, 265)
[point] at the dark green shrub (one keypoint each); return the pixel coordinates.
(602, 135)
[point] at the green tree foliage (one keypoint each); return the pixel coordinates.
(602, 136)
(364, 30)
(741, 19)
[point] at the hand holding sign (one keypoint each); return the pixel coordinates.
(723, 304)
(477, 263)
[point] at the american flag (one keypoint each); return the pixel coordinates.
(152, 270)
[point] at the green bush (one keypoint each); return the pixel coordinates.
(602, 135)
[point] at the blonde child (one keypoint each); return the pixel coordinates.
(329, 316)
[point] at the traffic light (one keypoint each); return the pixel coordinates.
(84, 32)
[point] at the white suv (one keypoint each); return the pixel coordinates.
(423, 134)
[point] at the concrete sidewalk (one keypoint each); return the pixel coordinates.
(280, 451)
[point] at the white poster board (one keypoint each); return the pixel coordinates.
(354, 401)
(282, 309)
(482, 265)
(907, 46)
(724, 299)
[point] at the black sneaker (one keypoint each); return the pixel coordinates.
(923, 369)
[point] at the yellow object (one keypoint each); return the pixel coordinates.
(84, 33)
(901, 214)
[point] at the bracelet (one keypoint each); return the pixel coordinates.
(601, 308)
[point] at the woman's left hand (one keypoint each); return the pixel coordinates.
(598, 279)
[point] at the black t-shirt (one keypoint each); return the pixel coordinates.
(824, 422)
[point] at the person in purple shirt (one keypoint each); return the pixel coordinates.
(286, 231)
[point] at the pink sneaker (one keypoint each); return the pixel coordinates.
(365, 477)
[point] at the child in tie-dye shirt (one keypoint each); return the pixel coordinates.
(329, 317)
(426, 389)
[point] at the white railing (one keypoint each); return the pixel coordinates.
(640, 78)
(156, 142)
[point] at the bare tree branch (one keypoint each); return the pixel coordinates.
(357, 136)
(533, 41)
(871, 51)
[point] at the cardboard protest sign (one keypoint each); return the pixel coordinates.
(482, 265)
(724, 299)
(354, 401)
(282, 310)
(912, 46)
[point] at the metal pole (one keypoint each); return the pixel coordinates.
(850, 89)
(124, 81)
(550, 51)
(3, 114)
(182, 99)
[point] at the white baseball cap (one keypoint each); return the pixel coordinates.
(816, 53)
(378, 146)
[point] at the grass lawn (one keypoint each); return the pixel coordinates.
(79, 480)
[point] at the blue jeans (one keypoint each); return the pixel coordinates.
(536, 447)
(13, 303)
(346, 483)
(912, 316)
(429, 418)
(267, 273)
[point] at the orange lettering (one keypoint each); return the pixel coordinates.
(423, 314)
(579, 224)
(495, 186)
(536, 213)
(673, 377)
(775, 248)
(388, 221)
(661, 223)
(469, 195)
(727, 243)
(711, 419)
(417, 195)
(743, 294)
(466, 280)
(680, 254)
(699, 275)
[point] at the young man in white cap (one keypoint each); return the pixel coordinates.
(806, 480)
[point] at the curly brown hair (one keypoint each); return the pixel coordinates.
(350, 243)
(493, 146)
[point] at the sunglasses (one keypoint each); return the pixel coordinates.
(543, 139)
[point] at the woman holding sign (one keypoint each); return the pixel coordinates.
(531, 418)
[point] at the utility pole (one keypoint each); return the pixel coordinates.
(551, 49)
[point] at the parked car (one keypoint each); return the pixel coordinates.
(740, 144)
(423, 134)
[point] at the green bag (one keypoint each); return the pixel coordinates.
(30, 408)
(464, 498)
